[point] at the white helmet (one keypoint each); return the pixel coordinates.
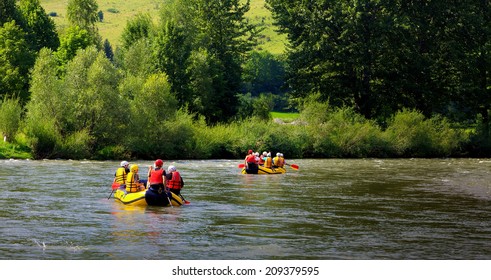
(268, 155)
(265, 153)
(171, 168)
(277, 154)
(124, 163)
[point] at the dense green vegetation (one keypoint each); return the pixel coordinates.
(368, 78)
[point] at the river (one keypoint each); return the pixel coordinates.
(329, 209)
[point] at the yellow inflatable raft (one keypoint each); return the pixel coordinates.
(142, 198)
(268, 171)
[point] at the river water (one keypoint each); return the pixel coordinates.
(328, 209)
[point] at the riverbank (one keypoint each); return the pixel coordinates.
(14, 151)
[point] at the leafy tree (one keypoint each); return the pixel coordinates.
(10, 114)
(45, 109)
(74, 39)
(222, 31)
(263, 72)
(136, 28)
(92, 97)
(83, 13)
(9, 12)
(137, 61)
(150, 109)
(172, 52)
(380, 56)
(15, 61)
(41, 30)
(204, 72)
(47, 99)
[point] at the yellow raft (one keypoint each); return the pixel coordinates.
(138, 198)
(267, 171)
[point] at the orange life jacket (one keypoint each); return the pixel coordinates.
(175, 182)
(268, 163)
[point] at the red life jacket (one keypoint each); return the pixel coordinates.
(251, 158)
(175, 182)
(156, 176)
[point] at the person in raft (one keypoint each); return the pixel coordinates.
(250, 163)
(268, 161)
(121, 173)
(157, 194)
(174, 180)
(156, 177)
(133, 183)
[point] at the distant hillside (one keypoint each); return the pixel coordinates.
(116, 13)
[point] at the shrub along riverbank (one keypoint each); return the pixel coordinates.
(319, 132)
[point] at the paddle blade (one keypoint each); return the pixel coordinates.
(115, 185)
(294, 166)
(241, 165)
(187, 202)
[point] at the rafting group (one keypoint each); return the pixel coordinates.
(162, 188)
(255, 163)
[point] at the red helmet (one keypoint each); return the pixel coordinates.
(159, 162)
(249, 152)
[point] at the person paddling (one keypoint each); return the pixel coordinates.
(250, 163)
(156, 177)
(121, 173)
(158, 193)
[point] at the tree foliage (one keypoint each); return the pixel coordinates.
(41, 30)
(381, 56)
(15, 60)
(83, 13)
(218, 32)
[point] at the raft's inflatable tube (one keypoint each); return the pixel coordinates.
(268, 171)
(146, 197)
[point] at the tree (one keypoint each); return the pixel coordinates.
(263, 72)
(74, 39)
(172, 51)
(10, 113)
(221, 30)
(41, 30)
(136, 28)
(92, 97)
(83, 13)
(377, 56)
(15, 60)
(108, 50)
(9, 12)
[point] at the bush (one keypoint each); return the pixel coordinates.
(10, 113)
(114, 152)
(76, 146)
(43, 137)
(411, 135)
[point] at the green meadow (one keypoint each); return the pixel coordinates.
(116, 14)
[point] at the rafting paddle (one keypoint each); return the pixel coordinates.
(114, 186)
(241, 165)
(183, 199)
(293, 166)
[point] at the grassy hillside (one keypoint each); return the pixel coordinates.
(117, 12)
